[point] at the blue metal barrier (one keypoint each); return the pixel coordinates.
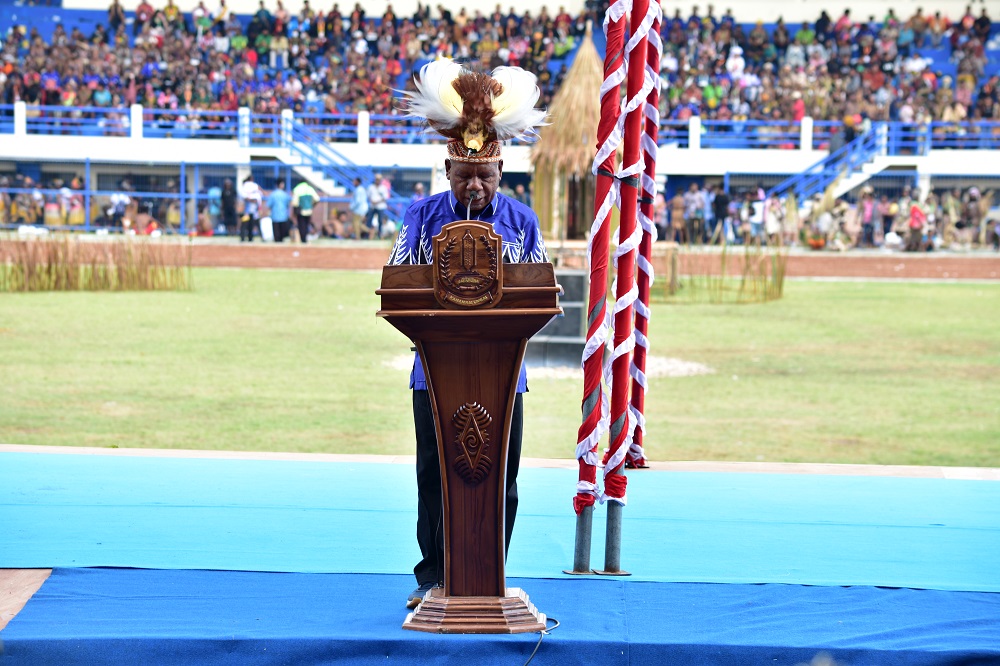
(751, 134)
(333, 127)
(908, 138)
(823, 131)
(674, 132)
(265, 129)
(6, 118)
(77, 120)
(193, 124)
(387, 128)
(979, 135)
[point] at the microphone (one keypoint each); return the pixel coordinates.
(472, 197)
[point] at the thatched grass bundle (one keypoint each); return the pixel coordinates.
(68, 264)
(751, 273)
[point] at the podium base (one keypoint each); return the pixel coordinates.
(512, 614)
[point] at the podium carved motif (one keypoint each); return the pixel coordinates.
(471, 421)
(468, 271)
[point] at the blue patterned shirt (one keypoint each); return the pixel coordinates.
(513, 221)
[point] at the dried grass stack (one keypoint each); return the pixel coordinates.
(568, 145)
(68, 264)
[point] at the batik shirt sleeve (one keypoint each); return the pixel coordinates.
(409, 248)
(532, 247)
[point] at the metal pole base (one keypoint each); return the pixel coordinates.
(581, 553)
(613, 543)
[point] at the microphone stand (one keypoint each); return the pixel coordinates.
(468, 209)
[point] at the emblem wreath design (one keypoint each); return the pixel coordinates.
(473, 441)
(467, 287)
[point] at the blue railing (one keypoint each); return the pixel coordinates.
(843, 162)
(333, 127)
(77, 120)
(751, 134)
(674, 133)
(195, 124)
(265, 129)
(908, 138)
(823, 131)
(6, 118)
(978, 135)
(387, 128)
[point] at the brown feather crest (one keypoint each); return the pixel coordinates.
(477, 92)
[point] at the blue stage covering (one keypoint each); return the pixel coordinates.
(253, 515)
(871, 570)
(211, 617)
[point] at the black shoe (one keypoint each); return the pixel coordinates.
(417, 595)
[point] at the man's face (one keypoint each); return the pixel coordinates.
(468, 179)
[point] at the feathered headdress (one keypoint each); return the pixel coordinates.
(476, 111)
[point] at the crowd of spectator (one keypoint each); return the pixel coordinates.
(313, 61)
(831, 69)
(345, 61)
(946, 218)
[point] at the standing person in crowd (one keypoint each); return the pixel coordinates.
(521, 194)
(917, 220)
(720, 210)
(660, 216)
(474, 173)
(143, 15)
(708, 213)
(214, 208)
(418, 193)
(120, 201)
(227, 204)
(694, 212)
(867, 214)
(253, 199)
(886, 214)
(359, 208)
(378, 205)
(278, 203)
(116, 16)
(678, 233)
(304, 199)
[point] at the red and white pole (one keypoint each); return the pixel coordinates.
(595, 401)
(638, 87)
(636, 457)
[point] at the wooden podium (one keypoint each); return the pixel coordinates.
(470, 316)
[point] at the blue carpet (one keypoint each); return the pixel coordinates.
(164, 617)
(170, 513)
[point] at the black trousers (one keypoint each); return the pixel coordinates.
(247, 229)
(430, 528)
(281, 230)
(304, 222)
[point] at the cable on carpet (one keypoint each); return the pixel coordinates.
(542, 634)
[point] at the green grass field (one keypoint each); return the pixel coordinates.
(296, 361)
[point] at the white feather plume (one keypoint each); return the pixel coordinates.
(435, 98)
(514, 109)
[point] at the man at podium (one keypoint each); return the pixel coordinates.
(476, 112)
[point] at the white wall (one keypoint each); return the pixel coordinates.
(671, 161)
(746, 11)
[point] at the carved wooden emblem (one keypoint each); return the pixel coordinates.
(467, 268)
(472, 463)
